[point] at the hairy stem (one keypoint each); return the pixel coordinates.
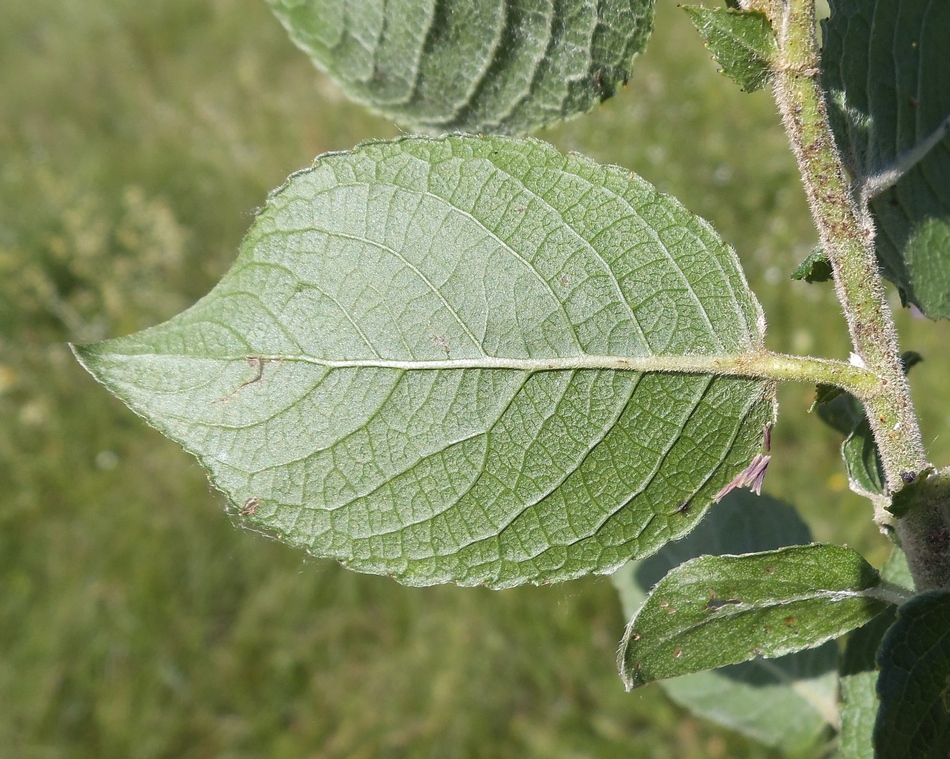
(847, 238)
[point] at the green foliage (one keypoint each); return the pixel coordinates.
(506, 66)
(786, 702)
(886, 68)
(50, 285)
(815, 268)
(718, 610)
(859, 702)
(859, 674)
(846, 414)
(349, 388)
(741, 41)
(913, 686)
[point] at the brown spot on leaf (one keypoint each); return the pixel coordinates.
(441, 342)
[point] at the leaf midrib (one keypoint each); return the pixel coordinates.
(735, 364)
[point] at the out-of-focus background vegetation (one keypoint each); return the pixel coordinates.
(136, 140)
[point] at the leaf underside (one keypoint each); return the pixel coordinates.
(485, 66)
(412, 366)
(785, 702)
(886, 66)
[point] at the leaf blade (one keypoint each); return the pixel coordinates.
(468, 65)
(742, 43)
(882, 105)
(719, 610)
(394, 368)
(913, 683)
(787, 702)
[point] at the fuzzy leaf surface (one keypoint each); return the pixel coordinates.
(742, 43)
(486, 66)
(886, 66)
(786, 702)
(719, 610)
(462, 359)
(914, 682)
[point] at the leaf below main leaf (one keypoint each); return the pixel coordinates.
(719, 610)
(785, 703)
(462, 359)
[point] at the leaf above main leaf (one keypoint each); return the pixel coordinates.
(886, 67)
(497, 66)
(462, 359)
(742, 43)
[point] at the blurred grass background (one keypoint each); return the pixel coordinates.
(136, 140)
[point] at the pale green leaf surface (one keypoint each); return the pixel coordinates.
(742, 43)
(914, 682)
(785, 702)
(497, 66)
(718, 610)
(885, 63)
(413, 365)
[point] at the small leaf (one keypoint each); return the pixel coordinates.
(910, 359)
(863, 461)
(718, 610)
(742, 43)
(914, 684)
(885, 66)
(825, 394)
(487, 66)
(846, 414)
(815, 268)
(786, 702)
(466, 359)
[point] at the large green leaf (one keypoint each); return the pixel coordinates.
(462, 359)
(786, 702)
(885, 63)
(718, 610)
(507, 66)
(914, 684)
